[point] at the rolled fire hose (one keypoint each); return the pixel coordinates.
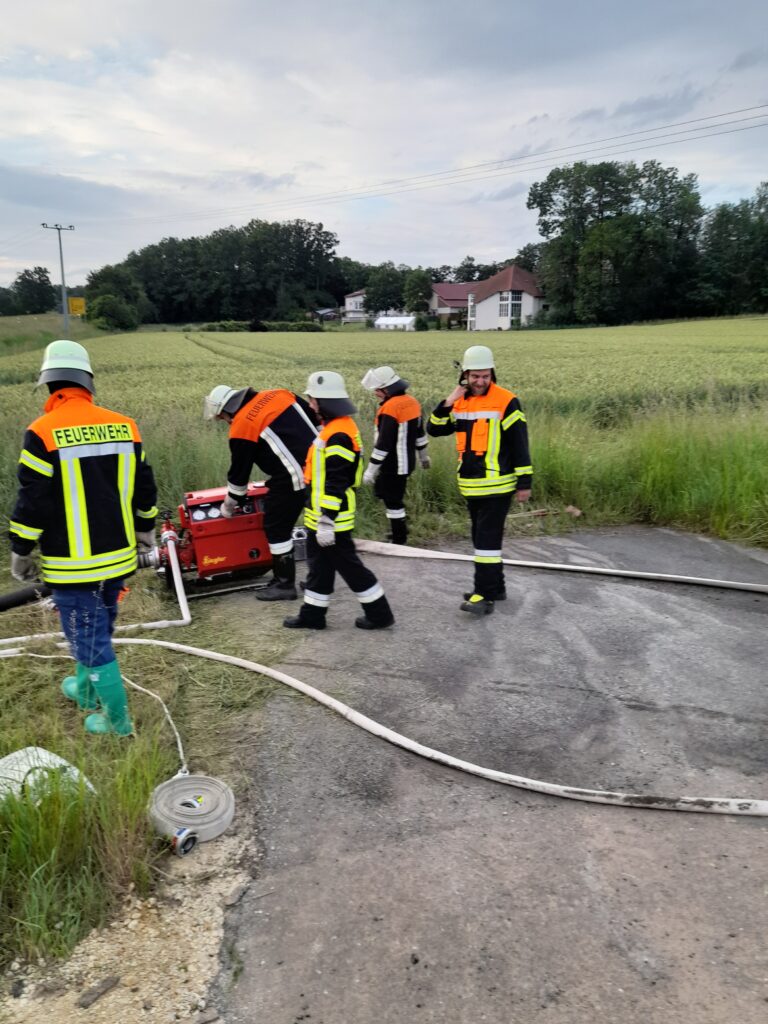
(191, 809)
(711, 805)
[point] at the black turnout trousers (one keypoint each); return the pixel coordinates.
(282, 508)
(487, 516)
(341, 558)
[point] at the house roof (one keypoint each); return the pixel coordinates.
(351, 295)
(510, 279)
(452, 294)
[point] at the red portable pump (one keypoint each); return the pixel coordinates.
(213, 547)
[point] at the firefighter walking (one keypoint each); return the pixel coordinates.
(399, 439)
(494, 464)
(333, 471)
(87, 497)
(273, 430)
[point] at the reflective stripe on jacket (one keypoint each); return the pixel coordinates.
(491, 441)
(399, 432)
(273, 429)
(333, 470)
(85, 489)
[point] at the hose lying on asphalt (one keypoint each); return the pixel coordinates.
(712, 805)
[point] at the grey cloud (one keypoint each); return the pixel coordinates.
(591, 114)
(655, 106)
(749, 59)
(61, 195)
(257, 179)
(510, 192)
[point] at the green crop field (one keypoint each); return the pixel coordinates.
(652, 423)
(664, 424)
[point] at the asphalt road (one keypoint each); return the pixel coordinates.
(392, 889)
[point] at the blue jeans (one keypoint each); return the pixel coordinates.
(88, 619)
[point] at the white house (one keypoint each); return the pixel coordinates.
(395, 323)
(510, 297)
(354, 307)
(448, 298)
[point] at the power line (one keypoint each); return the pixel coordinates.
(459, 176)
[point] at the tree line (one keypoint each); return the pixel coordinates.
(621, 242)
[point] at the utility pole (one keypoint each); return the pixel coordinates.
(64, 305)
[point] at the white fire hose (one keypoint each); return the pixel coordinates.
(712, 805)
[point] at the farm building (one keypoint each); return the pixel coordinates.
(510, 297)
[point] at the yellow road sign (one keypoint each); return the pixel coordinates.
(76, 305)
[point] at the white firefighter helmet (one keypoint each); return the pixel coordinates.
(326, 384)
(381, 377)
(66, 361)
(478, 357)
(214, 402)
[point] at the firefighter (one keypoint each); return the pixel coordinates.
(399, 438)
(494, 464)
(272, 429)
(333, 471)
(87, 497)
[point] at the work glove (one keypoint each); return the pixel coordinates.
(424, 458)
(229, 506)
(326, 532)
(145, 541)
(371, 472)
(23, 568)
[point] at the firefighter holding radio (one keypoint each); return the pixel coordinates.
(494, 464)
(333, 471)
(273, 430)
(87, 497)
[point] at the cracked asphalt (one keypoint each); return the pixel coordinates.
(393, 889)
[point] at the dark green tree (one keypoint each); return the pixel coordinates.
(112, 313)
(384, 289)
(33, 291)
(417, 291)
(529, 256)
(8, 305)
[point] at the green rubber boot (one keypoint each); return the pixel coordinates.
(109, 687)
(80, 689)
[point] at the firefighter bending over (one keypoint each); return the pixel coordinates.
(273, 430)
(333, 471)
(87, 497)
(494, 463)
(398, 440)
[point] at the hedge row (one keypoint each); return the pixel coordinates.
(261, 325)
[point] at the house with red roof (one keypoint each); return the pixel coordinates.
(449, 298)
(511, 297)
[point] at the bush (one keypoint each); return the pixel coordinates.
(226, 326)
(422, 324)
(292, 325)
(256, 326)
(111, 313)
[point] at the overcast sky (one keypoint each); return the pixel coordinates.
(139, 120)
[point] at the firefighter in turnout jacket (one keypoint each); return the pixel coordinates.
(333, 471)
(494, 463)
(87, 497)
(272, 429)
(398, 440)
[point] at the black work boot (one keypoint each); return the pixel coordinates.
(398, 531)
(283, 586)
(476, 604)
(501, 596)
(309, 617)
(378, 615)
